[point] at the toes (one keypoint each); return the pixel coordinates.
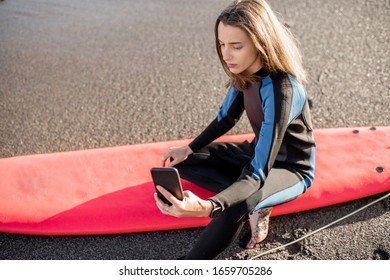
(251, 244)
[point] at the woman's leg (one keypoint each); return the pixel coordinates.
(219, 234)
(216, 166)
(281, 186)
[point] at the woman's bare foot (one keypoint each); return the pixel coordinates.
(258, 221)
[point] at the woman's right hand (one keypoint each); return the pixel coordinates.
(178, 154)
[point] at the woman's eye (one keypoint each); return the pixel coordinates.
(237, 47)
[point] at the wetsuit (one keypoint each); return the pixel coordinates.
(277, 166)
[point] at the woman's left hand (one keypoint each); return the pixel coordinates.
(190, 206)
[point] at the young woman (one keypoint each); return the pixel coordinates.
(264, 65)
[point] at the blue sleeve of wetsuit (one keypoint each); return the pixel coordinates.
(228, 115)
(282, 101)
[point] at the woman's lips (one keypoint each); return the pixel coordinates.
(229, 65)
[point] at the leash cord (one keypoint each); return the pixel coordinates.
(322, 228)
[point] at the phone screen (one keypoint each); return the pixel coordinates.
(169, 179)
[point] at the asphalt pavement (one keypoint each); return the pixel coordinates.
(86, 74)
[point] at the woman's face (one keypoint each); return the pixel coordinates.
(238, 50)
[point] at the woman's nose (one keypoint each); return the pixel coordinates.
(226, 55)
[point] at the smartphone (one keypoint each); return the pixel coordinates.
(169, 179)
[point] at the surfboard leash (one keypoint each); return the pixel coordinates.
(322, 228)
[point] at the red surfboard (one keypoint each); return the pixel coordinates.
(109, 190)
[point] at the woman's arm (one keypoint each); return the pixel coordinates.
(228, 115)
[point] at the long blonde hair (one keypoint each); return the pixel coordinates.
(277, 47)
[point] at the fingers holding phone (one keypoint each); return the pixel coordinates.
(161, 204)
(172, 200)
(190, 206)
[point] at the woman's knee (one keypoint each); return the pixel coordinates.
(235, 214)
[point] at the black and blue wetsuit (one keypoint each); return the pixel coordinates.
(277, 166)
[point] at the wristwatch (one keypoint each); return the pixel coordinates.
(216, 211)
